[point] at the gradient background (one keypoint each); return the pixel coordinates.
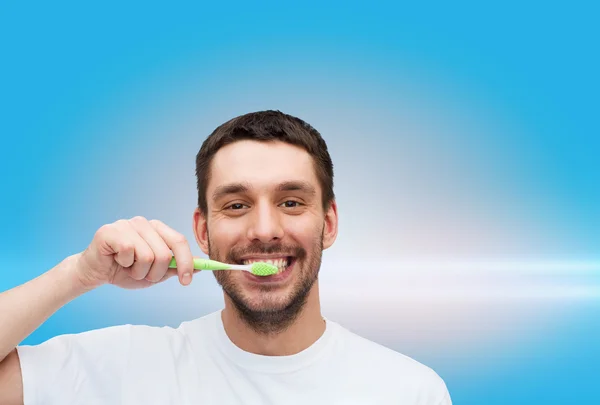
(466, 146)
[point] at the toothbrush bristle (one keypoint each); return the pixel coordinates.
(264, 269)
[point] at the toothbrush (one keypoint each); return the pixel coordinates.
(256, 268)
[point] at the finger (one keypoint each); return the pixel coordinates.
(170, 273)
(181, 250)
(173, 272)
(111, 243)
(143, 256)
(162, 253)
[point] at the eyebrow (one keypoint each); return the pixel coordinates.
(297, 186)
(233, 188)
(239, 188)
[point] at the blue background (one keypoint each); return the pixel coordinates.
(465, 139)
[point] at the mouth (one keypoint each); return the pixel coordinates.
(281, 262)
(284, 264)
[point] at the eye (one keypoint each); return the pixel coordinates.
(235, 206)
(291, 204)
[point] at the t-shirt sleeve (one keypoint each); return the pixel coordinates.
(84, 368)
(446, 400)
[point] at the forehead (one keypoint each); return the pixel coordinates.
(263, 165)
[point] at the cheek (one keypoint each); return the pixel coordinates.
(307, 231)
(226, 233)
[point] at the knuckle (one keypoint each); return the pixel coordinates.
(179, 239)
(103, 230)
(163, 257)
(138, 219)
(145, 257)
(153, 278)
(126, 246)
(137, 274)
(155, 223)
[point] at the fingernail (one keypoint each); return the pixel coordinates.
(186, 278)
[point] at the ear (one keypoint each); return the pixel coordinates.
(201, 230)
(330, 229)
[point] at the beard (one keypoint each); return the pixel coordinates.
(272, 314)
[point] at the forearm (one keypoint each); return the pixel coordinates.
(24, 308)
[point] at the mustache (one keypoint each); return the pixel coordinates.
(235, 254)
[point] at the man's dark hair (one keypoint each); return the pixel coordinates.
(265, 126)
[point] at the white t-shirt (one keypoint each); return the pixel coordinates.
(197, 364)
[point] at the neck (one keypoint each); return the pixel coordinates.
(306, 329)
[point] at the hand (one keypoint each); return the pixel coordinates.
(134, 253)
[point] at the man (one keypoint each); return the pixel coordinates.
(265, 193)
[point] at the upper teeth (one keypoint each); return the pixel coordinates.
(279, 262)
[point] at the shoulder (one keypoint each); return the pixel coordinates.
(148, 338)
(200, 327)
(387, 365)
(201, 324)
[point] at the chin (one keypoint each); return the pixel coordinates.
(273, 300)
(274, 297)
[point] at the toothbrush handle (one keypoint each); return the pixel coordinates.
(203, 264)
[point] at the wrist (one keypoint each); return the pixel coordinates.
(71, 276)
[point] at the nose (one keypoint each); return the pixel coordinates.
(265, 224)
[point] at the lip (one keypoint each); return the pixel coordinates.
(276, 278)
(259, 257)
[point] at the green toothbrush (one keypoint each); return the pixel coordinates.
(256, 268)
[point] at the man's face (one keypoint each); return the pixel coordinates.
(264, 204)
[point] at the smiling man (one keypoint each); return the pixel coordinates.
(265, 193)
